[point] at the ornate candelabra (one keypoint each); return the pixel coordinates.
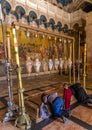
(12, 108)
(23, 121)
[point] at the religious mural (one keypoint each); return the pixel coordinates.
(1, 52)
(38, 52)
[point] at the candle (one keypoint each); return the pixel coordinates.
(15, 46)
(8, 46)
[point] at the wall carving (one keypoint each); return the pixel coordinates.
(47, 8)
(50, 10)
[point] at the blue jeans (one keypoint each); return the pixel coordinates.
(57, 106)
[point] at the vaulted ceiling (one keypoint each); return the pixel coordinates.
(86, 6)
(64, 2)
(73, 5)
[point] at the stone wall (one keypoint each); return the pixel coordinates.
(41, 7)
(89, 41)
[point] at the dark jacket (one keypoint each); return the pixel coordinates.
(79, 93)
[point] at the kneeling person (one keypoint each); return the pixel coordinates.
(56, 104)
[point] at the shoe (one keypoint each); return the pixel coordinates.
(63, 118)
(68, 114)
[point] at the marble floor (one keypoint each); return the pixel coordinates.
(58, 125)
(81, 114)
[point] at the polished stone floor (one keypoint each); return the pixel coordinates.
(81, 114)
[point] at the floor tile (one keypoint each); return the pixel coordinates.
(83, 113)
(2, 114)
(8, 126)
(59, 125)
(2, 105)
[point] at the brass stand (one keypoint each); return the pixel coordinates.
(70, 75)
(23, 121)
(70, 60)
(79, 60)
(84, 68)
(73, 61)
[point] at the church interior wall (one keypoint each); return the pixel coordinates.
(89, 40)
(43, 8)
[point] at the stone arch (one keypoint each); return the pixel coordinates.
(51, 21)
(6, 7)
(59, 26)
(43, 18)
(75, 24)
(17, 4)
(32, 16)
(65, 28)
(52, 24)
(19, 12)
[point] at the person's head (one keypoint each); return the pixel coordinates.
(44, 98)
(65, 85)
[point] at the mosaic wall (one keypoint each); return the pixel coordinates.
(36, 46)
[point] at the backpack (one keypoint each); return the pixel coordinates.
(79, 93)
(74, 88)
(44, 112)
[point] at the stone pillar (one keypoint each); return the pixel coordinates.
(89, 42)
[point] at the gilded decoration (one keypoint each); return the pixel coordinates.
(39, 35)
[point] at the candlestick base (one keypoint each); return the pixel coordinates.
(23, 122)
(12, 110)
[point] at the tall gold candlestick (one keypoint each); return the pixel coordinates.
(70, 51)
(70, 57)
(84, 67)
(73, 61)
(23, 121)
(79, 60)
